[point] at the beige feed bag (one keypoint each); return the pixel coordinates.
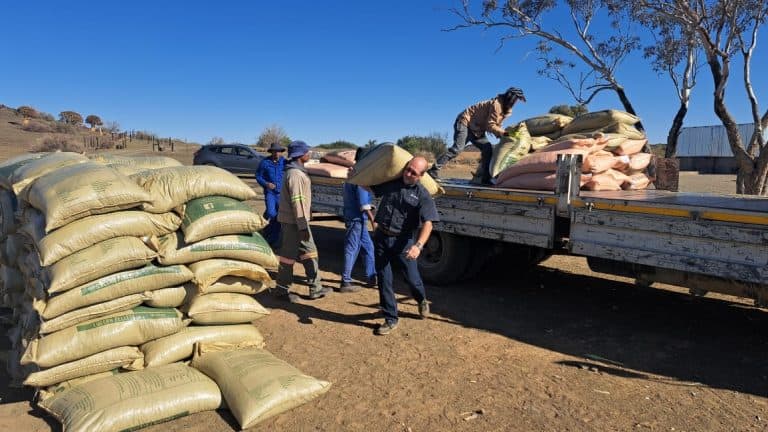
(117, 285)
(547, 124)
(81, 190)
(88, 231)
(133, 327)
(624, 129)
(224, 308)
(138, 162)
(101, 259)
(218, 215)
(83, 314)
(386, 163)
(207, 272)
(510, 149)
(256, 384)
(252, 248)
(171, 187)
(180, 346)
(29, 172)
(123, 357)
(45, 393)
(539, 142)
(593, 121)
(166, 297)
(8, 166)
(235, 284)
(133, 400)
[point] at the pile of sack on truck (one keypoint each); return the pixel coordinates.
(612, 148)
(335, 164)
(132, 282)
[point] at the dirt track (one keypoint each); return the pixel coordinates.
(557, 348)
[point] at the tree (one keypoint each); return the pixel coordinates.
(112, 126)
(569, 110)
(725, 29)
(674, 52)
(216, 141)
(28, 112)
(71, 117)
(434, 144)
(93, 120)
(559, 54)
(272, 134)
(370, 144)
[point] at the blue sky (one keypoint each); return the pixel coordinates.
(324, 71)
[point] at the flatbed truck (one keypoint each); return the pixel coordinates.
(704, 242)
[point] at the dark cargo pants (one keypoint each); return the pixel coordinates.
(293, 249)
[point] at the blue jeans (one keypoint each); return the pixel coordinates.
(461, 137)
(271, 232)
(391, 251)
(355, 239)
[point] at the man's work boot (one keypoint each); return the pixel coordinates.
(282, 293)
(386, 328)
(424, 309)
(315, 294)
(348, 287)
(373, 282)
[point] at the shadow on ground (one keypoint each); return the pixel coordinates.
(615, 326)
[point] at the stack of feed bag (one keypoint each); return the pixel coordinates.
(115, 278)
(335, 164)
(611, 147)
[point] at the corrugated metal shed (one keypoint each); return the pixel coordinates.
(709, 141)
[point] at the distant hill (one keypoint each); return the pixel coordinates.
(19, 135)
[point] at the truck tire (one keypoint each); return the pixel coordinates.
(444, 258)
(513, 259)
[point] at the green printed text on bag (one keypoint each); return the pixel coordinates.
(218, 215)
(133, 400)
(132, 327)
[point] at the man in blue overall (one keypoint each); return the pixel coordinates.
(270, 177)
(405, 207)
(357, 212)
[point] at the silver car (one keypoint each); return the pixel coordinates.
(236, 158)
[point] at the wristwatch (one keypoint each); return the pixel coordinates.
(419, 245)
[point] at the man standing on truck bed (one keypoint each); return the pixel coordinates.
(405, 205)
(472, 125)
(296, 241)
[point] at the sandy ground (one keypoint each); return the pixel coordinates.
(555, 348)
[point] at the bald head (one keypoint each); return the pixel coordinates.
(415, 168)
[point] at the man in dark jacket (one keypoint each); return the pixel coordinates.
(405, 207)
(270, 176)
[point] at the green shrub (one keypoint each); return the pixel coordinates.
(338, 145)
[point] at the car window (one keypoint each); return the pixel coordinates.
(214, 149)
(227, 150)
(243, 152)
